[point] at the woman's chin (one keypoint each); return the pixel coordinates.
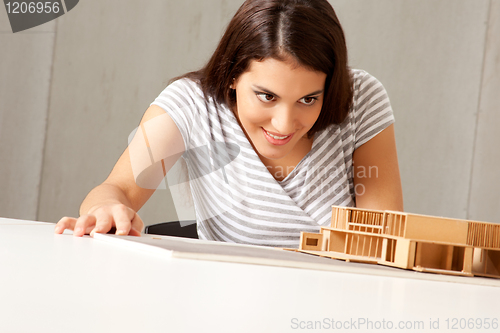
(272, 154)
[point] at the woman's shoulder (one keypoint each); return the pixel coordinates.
(361, 78)
(181, 93)
(371, 109)
(186, 86)
(356, 73)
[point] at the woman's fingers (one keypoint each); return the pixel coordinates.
(65, 223)
(84, 225)
(102, 220)
(123, 217)
(137, 226)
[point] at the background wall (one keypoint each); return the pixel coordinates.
(72, 90)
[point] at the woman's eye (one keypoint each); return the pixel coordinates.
(308, 100)
(265, 97)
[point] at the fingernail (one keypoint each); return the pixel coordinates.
(121, 232)
(78, 231)
(97, 229)
(57, 229)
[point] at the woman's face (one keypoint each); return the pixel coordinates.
(277, 103)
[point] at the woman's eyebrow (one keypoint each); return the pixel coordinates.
(317, 92)
(267, 91)
(264, 90)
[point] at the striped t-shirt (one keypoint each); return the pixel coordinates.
(236, 198)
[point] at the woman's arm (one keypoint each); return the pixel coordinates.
(376, 173)
(115, 202)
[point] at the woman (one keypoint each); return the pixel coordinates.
(274, 129)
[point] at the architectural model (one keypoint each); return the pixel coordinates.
(409, 241)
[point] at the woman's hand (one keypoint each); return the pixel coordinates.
(114, 203)
(101, 220)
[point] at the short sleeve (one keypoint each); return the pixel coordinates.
(181, 100)
(372, 108)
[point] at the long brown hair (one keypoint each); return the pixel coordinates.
(307, 30)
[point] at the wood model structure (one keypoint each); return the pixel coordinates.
(410, 241)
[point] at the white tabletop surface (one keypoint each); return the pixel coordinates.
(60, 283)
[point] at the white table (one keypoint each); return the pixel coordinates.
(59, 283)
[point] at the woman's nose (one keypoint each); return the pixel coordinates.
(284, 120)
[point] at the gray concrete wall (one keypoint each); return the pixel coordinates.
(73, 89)
(484, 192)
(25, 74)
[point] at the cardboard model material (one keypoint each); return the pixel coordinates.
(184, 248)
(410, 241)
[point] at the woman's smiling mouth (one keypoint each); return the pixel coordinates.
(277, 139)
